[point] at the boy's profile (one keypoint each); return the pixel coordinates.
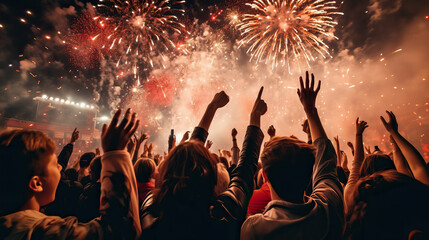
(29, 176)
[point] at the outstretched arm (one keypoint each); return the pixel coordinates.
(413, 157)
(357, 161)
(139, 142)
(185, 137)
(66, 152)
(338, 151)
(307, 95)
(219, 101)
(306, 129)
(399, 159)
(235, 150)
(232, 204)
(271, 131)
(119, 200)
(326, 185)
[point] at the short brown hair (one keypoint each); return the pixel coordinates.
(20, 152)
(288, 164)
(144, 169)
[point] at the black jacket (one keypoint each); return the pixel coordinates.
(225, 213)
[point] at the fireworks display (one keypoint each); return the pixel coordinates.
(140, 26)
(282, 31)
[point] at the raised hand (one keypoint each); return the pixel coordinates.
(97, 151)
(305, 127)
(350, 144)
(209, 144)
(185, 137)
(336, 140)
(367, 149)
(74, 136)
(259, 109)
(307, 94)
(114, 137)
(220, 100)
(392, 125)
(226, 153)
(271, 131)
(344, 161)
(360, 126)
(150, 149)
(234, 133)
(142, 138)
(131, 146)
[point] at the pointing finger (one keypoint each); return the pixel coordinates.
(260, 92)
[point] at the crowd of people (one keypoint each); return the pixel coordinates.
(292, 189)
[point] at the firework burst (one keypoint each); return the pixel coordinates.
(141, 28)
(285, 31)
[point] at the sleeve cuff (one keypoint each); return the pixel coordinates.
(200, 134)
(118, 154)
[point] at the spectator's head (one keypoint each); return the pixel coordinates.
(288, 165)
(188, 175)
(71, 174)
(85, 159)
(388, 205)
(215, 157)
(375, 163)
(144, 169)
(95, 169)
(224, 161)
(262, 178)
(29, 170)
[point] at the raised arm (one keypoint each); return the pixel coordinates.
(399, 160)
(119, 200)
(338, 151)
(307, 95)
(185, 137)
(139, 142)
(413, 157)
(357, 161)
(326, 185)
(66, 152)
(306, 129)
(271, 131)
(201, 131)
(231, 205)
(235, 150)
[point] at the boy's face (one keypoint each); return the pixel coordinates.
(50, 179)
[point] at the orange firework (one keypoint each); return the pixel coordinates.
(285, 31)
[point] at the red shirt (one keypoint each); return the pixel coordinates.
(259, 200)
(144, 189)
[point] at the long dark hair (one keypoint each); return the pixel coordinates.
(187, 177)
(387, 205)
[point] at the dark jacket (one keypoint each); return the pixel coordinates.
(223, 215)
(68, 191)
